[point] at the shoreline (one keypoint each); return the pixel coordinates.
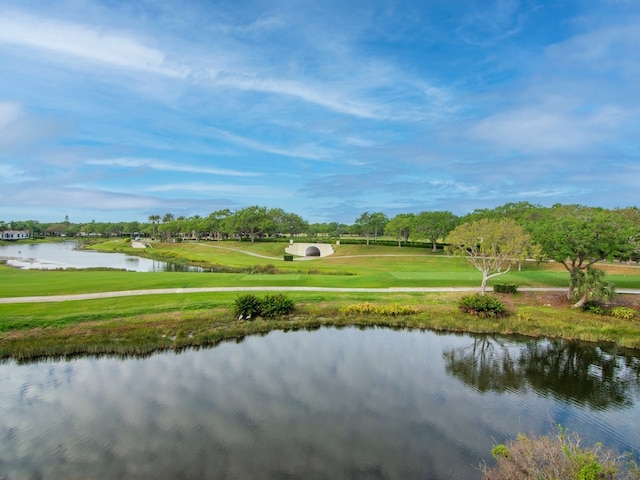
(532, 314)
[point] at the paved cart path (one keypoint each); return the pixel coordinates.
(168, 291)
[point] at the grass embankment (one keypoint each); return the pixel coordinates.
(142, 324)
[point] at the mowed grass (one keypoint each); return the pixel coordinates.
(351, 266)
(140, 324)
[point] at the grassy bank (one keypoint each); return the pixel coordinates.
(141, 324)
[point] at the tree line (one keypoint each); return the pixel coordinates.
(576, 236)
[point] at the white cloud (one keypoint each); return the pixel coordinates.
(242, 191)
(311, 152)
(167, 167)
(9, 113)
(87, 42)
(11, 174)
(356, 94)
(545, 128)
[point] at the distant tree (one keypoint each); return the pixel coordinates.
(132, 228)
(294, 224)
(251, 221)
(336, 229)
(284, 222)
(631, 215)
(167, 217)
(578, 237)
(401, 226)
(218, 224)
(154, 219)
(371, 224)
(490, 245)
(435, 225)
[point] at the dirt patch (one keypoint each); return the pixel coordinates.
(559, 300)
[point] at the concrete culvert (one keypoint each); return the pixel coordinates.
(312, 251)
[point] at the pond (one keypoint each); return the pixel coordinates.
(62, 255)
(330, 403)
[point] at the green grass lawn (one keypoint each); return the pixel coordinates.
(351, 266)
(142, 323)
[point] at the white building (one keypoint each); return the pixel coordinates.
(13, 234)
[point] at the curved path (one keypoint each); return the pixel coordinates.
(166, 291)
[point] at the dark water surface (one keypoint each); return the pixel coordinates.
(62, 255)
(325, 404)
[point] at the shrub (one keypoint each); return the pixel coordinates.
(288, 257)
(265, 269)
(276, 305)
(247, 307)
(482, 305)
(593, 307)
(524, 316)
(561, 457)
(625, 313)
(373, 309)
(505, 288)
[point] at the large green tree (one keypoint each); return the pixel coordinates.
(401, 227)
(490, 245)
(252, 222)
(371, 224)
(577, 237)
(435, 225)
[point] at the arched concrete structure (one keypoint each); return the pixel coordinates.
(309, 249)
(312, 251)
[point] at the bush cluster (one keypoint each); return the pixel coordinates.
(560, 457)
(374, 309)
(268, 269)
(593, 307)
(249, 307)
(482, 305)
(505, 288)
(624, 313)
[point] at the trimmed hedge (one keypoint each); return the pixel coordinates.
(249, 306)
(482, 306)
(505, 288)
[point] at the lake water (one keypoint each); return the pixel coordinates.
(56, 255)
(330, 403)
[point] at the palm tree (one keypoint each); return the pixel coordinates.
(592, 286)
(154, 219)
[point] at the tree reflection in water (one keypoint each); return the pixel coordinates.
(589, 374)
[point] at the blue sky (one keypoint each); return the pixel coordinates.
(116, 110)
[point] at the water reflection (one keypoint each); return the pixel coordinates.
(338, 404)
(63, 255)
(577, 372)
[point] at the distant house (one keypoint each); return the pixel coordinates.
(14, 234)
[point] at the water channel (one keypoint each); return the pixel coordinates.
(330, 403)
(62, 255)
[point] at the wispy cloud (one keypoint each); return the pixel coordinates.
(143, 163)
(123, 50)
(311, 152)
(547, 128)
(217, 189)
(12, 174)
(344, 105)
(91, 43)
